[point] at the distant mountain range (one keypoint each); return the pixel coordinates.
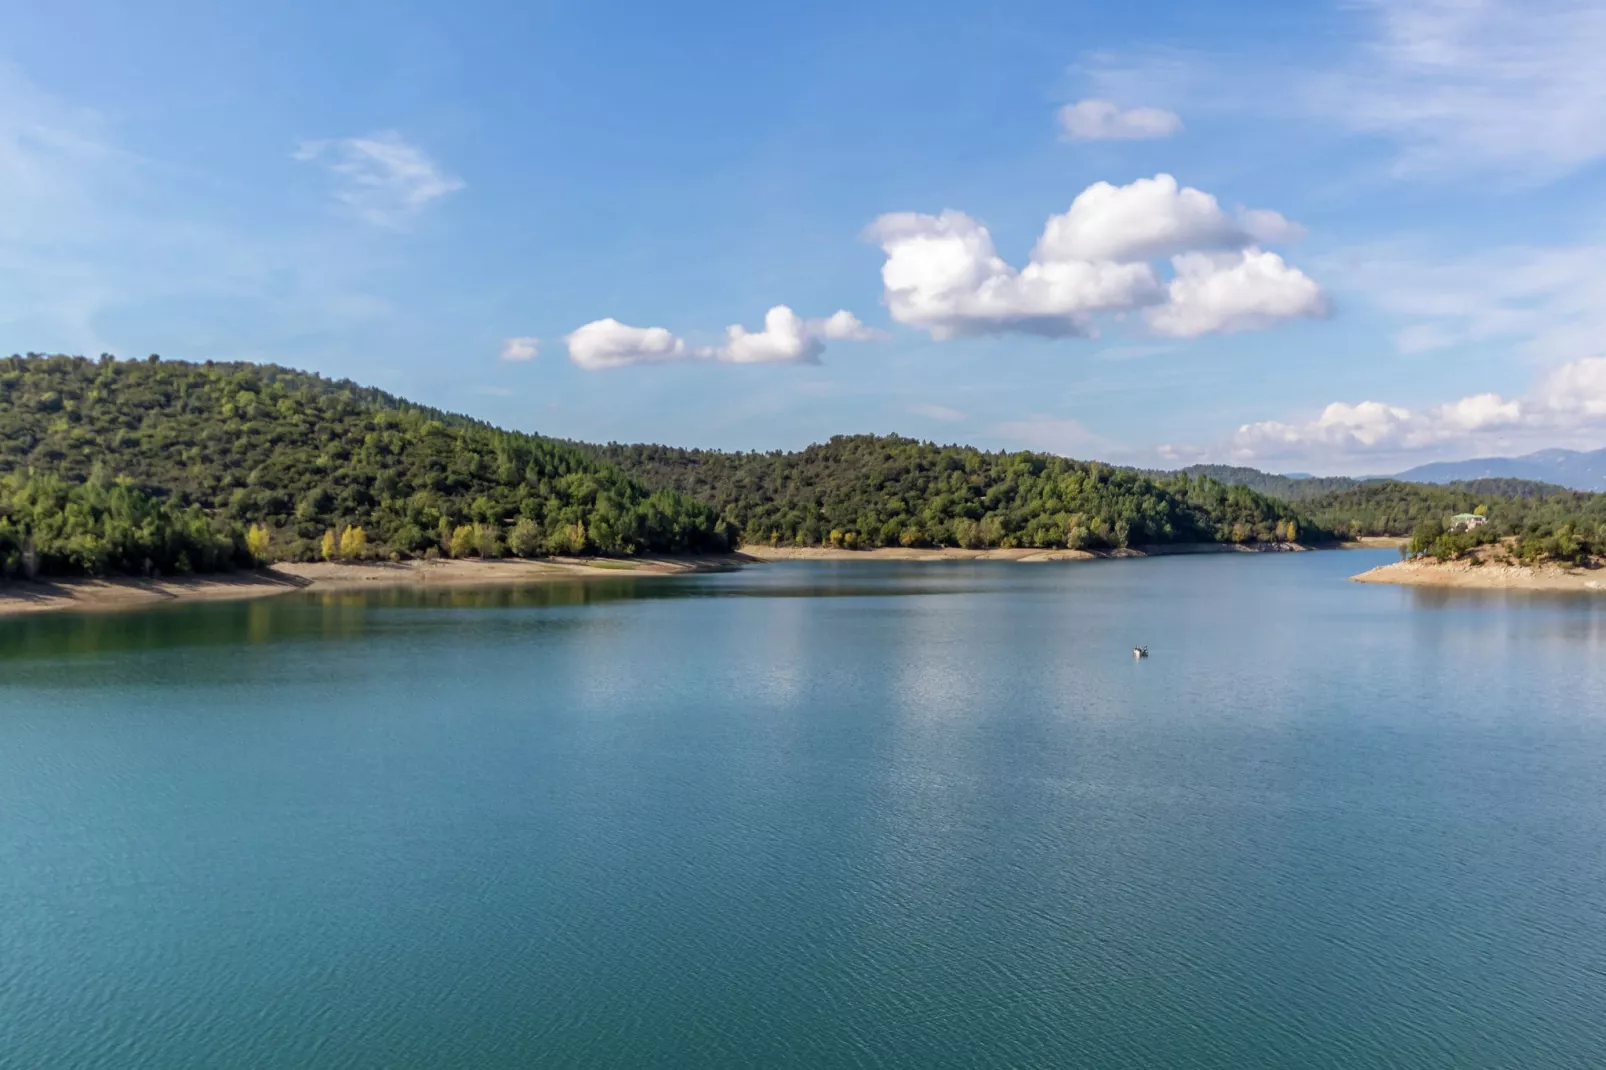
(1565, 468)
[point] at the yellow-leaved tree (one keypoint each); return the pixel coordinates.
(353, 543)
(256, 543)
(328, 546)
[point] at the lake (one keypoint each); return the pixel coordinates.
(813, 815)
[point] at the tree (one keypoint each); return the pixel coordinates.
(462, 541)
(256, 543)
(568, 539)
(526, 539)
(328, 546)
(353, 543)
(487, 541)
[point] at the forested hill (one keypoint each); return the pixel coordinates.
(1288, 488)
(870, 491)
(1306, 488)
(1543, 520)
(299, 456)
(1513, 507)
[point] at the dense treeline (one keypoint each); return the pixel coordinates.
(50, 527)
(298, 457)
(1540, 521)
(1288, 488)
(1533, 521)
(865, 491)
(1566, 542)
(1307, 488)
(1393, 508)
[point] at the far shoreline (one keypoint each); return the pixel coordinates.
(119, 594)
(1022, 555)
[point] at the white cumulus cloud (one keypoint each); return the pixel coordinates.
(844, 326)
(1220, 293)
(381, 177)
(943, 274)
(786, 338)
(607, 343)
(1569, 402)
(1576, 389)
(1149, 218)
(521, 350)
(1373, 427)
(1101, 120)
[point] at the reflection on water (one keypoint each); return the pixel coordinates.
(353, 614)
(812, 815)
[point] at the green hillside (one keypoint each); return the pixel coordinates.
(237, 445)
(869, 491)
(1513, 506)
(1288, 488)
(1306, 488)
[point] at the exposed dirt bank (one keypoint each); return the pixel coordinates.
(1488, 576)
(900, 553)
(120, 594)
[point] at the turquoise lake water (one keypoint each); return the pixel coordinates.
(813, 815)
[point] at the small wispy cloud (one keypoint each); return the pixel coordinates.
(1461, 89)
(521, 350)
(1132, 352)
(382, 178)
(1549, 302)
(937, 412)
(1509, 85)
(1101, 120)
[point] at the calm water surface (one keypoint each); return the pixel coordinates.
(813, 815)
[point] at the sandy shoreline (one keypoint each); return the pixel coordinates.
(900, 553)
(123, 594)
(1374, 542)
(1487, 576)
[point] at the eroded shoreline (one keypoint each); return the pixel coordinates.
(116, 594)
(1487, 576)
(119, 594)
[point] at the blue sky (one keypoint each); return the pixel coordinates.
(1330, 237)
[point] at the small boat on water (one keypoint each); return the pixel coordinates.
(1140, 652)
